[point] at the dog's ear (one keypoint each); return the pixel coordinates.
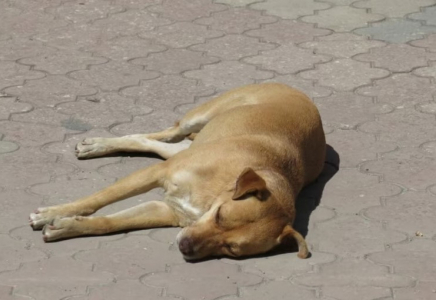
(290, 233)
(249, 182)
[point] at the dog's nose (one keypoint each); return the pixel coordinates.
(186, 246)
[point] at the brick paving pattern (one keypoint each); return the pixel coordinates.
(72, 69)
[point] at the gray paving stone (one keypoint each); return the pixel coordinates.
(371, 75)
(186, 10)
(6, 147)
(419, 214)
(396, 30)
(361, 109)
(354, 272)
(287, 59)
(228, 74)
(428, 15)
(224, 280)
(233, 47)
(292, 9)
(54, 281)
(344, 45)
(175, 61)
(237, 20)
(397, 57)
(344, 74)
(181, 34)
(351, 191)
(394, 8)
(342, 18)
(286, 31)
(400, 90)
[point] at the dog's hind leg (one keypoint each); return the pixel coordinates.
(137, 183)
(93, 147)
(147, 215)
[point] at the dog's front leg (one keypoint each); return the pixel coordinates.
(147, 215)
(137, 183)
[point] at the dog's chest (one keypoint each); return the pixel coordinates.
(179, 196)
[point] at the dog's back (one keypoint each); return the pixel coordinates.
(280, 120)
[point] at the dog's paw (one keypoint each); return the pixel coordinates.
(59, 228)
(40, 217)
(92, 147)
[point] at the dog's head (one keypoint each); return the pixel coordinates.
(248, 220)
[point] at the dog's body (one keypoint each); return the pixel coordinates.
(233, 188)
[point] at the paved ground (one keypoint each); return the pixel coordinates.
(75, 69)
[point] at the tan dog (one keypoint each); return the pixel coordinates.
(232, 189)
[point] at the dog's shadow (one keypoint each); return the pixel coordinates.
(310, 197)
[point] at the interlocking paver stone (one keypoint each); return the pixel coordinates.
(167, 90)
(15, 74)
(76, 69)
(9, 105)
(285, 31)
(290, 9)
(428, 15)
(103, 110)
(367, 236)
(429, 42)
(228, 74)
(186, 10)
(125, 48)
(131, 257)
(400, 90)
(420, 265)
(422, 291)
(225, 280)
(233, 47)
(361, 109)
(175, 61)
(420, 208)
(396, 30)
(397, 57)
(394, 8)
(276, 290)
(54, 278)
(427, 71)
(86, 11)
(122, 289)
(50, 90)
(343, 18)
(17, 253)
(356, 292)
(344, 45)
(354, 191)
(236, 20)
(275, 268)
(6, 293)
(356, 147)
(304, 85)
(406, 125)
(13, 203)
(29, 166)
(354, 272)
(181, 34)
(113, 75)
(63, 62)
(286, 59)
(344, 74)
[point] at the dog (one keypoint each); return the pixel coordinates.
(233, 168)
